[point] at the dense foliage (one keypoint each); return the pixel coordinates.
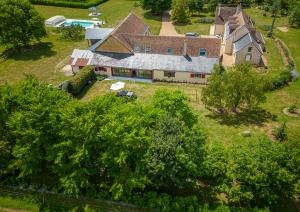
(294, 18)
(156, 7)
(71, 33)
(80, 80)
(180, 12)
(154, 155)
(281, 80)
(69, 3)
(20, 23)
(239, 87)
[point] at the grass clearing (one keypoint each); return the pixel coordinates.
(227, 130)
(195, 26)
(8, 203)
(285, 97)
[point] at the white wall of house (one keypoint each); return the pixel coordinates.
(180, 77)
(254, 57)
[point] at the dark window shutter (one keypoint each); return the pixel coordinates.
(202, 75)
(192, 75)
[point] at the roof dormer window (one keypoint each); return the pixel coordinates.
(202, 52)
(137, 48)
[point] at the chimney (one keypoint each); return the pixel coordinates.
(185, 47)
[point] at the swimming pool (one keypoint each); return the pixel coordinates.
(85, 24)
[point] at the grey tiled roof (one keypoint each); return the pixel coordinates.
(244, 41)
(142, 61)
(97, 33)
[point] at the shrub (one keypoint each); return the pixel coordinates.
(281, 80)
(80, 80)
(72, 33)
(280, 132)
(293, 108)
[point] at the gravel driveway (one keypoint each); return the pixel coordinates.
(167, 28)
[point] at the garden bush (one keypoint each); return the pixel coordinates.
(71, 33)
(280, 132)
(80, 80)
(281, 80)
(66, 3)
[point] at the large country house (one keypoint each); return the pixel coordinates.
(240, 37)
(130, 50)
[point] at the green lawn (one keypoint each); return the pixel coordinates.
(226, 130)
(195, 26)
(282, 98)
(11, 204)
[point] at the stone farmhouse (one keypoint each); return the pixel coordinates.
(131, 51)
(240, 37)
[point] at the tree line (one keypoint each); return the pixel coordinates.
(181, 10)
(154, 155)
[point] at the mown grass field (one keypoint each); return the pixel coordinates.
(195, 26)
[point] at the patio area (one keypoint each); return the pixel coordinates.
(131, 79)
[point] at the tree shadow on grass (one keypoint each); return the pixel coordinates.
(33, 52)
(246, 117)
(86, 89)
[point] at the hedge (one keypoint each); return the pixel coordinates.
(80, 80)
(65, 3)
(281, 80)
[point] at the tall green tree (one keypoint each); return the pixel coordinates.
(213, 94)
(240, 86)
(294, 18)
(34, 126)
(176, 103)
(156, 7)
(20, 23)
(274, 10)
(180, 12)
(175, 153)
(195, 5)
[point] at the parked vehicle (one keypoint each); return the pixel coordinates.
(191, 34)
(129, 94)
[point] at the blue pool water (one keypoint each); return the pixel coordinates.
(84, 24)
